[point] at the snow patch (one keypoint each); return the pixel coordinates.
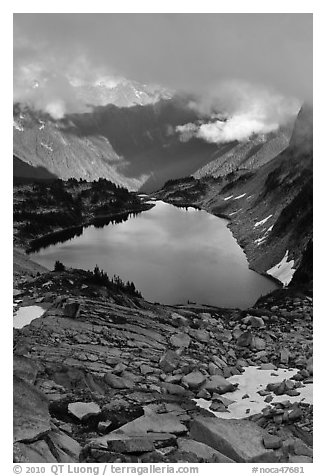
(250, 382)
(25, 315)
(269, 229)
(18, 126)
(260, 241)
(284, 270)
(239, 196)
(228, 198)
(263, 221)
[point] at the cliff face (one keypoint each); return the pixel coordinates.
(270, 208)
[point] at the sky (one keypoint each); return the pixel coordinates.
(255, 67)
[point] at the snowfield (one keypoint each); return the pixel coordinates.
(250, 382)
(284, 270)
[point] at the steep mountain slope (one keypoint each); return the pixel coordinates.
(129, 146)
(137, 146)
(247, 155)
(270, 209)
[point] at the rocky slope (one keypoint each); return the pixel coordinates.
(247, 155)
(270, 208)
(106, 377)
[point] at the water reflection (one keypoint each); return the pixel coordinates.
(172, 255)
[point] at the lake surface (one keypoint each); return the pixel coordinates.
(171, 254)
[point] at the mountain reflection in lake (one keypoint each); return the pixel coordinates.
(172, 255)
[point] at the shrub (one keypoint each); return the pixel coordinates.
(58, 266)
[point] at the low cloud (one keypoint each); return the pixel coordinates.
(64, 52)
(239, 110)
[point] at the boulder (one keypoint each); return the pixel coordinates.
(71, 309)
(272, 442)
(240, 440)
(256, 321)
(245, 339)
(202, 336)
(309, 366)
(284, 356)
(180, 340)
(37, 452)
(174, 389)
(31, 417)
(218, 384)
(194, 380)
(257, 343)
(118, 382)
(83, 411)
(25, 368)
(169, 361)
(203, 451)
(132, 444)
(65, 448)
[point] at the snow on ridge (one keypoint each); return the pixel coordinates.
(283, 270)
(239, 196)
(263, 221)
(269, 229)
(228, 198)
(260, 241)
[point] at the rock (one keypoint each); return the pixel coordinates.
(203, 451)
(218, 384)
(104, 426)
(137, 444)
(309, 366)
(213, 369)
(118, 382)
(299, 459)
(71, 309)
(257, 322)
(203, 394)
(224, 400)
(240, 440)
(146, 369)
(119, 368)
(83, 411)
(245, 339)
(284, 356)
(301, 449)
(180, 340)
(25, 368)
(295, 414)
(174, 389)
(37, 452)
(201, 335)
(217, 406)
(194, 380)
(257, 343)
(65, 448)
(272, 442)
(169, 361)
(31, 417)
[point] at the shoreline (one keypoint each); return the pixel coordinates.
(84, 224)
